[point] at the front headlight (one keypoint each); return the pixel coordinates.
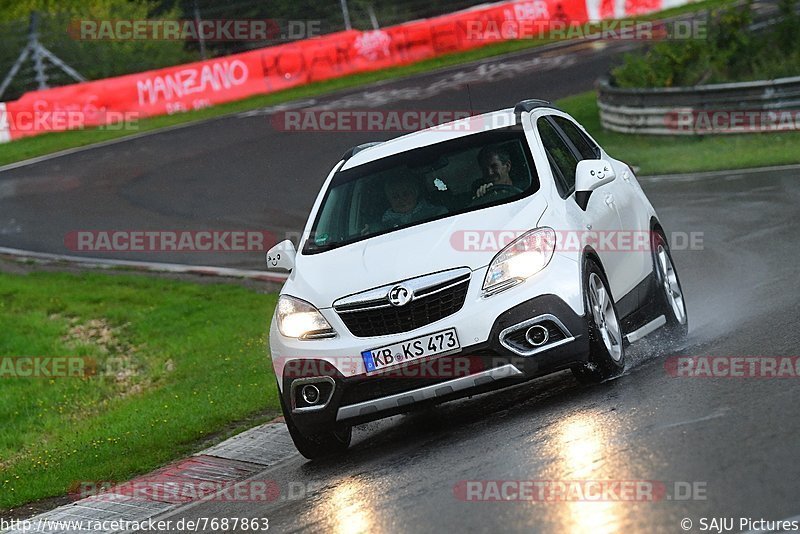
(521, 259)
(299, 319)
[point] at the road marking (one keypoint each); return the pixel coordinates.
(716, 174)
(485, 72)
(716, 415)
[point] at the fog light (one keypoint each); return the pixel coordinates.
(310, 394)
(537, 335)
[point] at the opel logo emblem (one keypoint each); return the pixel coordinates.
(399, 296)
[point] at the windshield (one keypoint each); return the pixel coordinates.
(422, 185)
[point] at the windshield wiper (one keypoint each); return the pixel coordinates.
(313, 247)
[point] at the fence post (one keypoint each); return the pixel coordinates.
(346, 15)
(36, 49)
(199, 33)
(39, 53)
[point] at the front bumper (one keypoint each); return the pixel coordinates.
(476, 368)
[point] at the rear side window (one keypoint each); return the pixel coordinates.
(586, 148)
(562, 159)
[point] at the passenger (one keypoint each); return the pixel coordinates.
(405, 203)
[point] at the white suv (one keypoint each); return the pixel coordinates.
(464, 258)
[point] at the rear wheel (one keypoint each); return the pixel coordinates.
(670, 293)
(317, 445)
(606, 348)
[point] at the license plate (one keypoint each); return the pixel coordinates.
(414, 349)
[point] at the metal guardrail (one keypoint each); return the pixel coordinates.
(729, 108)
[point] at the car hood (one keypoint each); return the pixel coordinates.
(467, 240)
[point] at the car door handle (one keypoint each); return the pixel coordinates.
(610, 200)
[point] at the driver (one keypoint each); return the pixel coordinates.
(495, 164)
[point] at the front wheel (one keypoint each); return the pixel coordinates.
(320, 444)
(606, 348)
(670, 293)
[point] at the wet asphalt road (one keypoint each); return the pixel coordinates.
(733, 439)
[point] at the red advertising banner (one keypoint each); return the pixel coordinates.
(206, 83)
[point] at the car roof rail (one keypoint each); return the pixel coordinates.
(358, 148)
(526, 106)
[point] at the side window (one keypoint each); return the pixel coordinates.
(562, 159)
(585, 146)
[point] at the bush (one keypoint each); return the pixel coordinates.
(730, 52)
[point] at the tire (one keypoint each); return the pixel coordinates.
(606, 340)
(316, 446)
(670, 293)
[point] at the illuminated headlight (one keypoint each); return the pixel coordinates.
(299, 319)
(521, 259)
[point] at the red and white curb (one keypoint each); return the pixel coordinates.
(5, 134)
(216, 472)
(175, 268)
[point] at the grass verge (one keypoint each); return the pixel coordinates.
(177, 362)
(656, 154)
(48, 143)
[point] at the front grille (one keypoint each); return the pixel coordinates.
(429, 304)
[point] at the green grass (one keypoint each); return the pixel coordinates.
(48, 143)
(676, 154)
(178, 362)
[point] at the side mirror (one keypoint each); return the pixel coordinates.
(589, 175)
(281, 256)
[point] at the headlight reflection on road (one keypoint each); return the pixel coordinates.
(579, 440)
(348, 506)
(584, 453)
